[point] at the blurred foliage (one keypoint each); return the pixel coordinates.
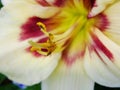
(0, 4)
(6, 84)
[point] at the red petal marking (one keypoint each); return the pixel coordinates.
(65, 55)
(59, 2)
(43, 2)
(88, 3)
(70, 59)
(31, 30)
(100, 46)
(102, 22)
(95, 4)
(92, 48)
(34, 53)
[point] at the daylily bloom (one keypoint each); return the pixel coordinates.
(65, 44)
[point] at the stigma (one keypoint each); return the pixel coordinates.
(47, 47)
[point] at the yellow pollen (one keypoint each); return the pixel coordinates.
(41, 25)
(47, 47)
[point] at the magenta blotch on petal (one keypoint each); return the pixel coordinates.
(103, 22)
(30, 29)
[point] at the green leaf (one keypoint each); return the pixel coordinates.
(9, 87)
(2, 78)
(35, 87)
(0, 4)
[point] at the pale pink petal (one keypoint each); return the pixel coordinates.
(68, 78)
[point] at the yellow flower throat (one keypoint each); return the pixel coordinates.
(75, 27)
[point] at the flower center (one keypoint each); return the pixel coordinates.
(72, 32)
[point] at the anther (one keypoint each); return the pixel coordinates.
(47, 47)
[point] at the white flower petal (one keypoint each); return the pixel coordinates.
(99, 72)
(12, 20)
(15, 61)
(100, 67)
(20, 66)
(113, 15)
(10, 32)
(22, 9)
(68, 78)
(99, 6)
(5, 2)
(113, 47)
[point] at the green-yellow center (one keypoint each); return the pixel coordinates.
(74, 26)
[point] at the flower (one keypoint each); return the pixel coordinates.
(67, 44)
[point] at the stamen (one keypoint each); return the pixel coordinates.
(56, 41)
(42, 28)
(47, 47)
